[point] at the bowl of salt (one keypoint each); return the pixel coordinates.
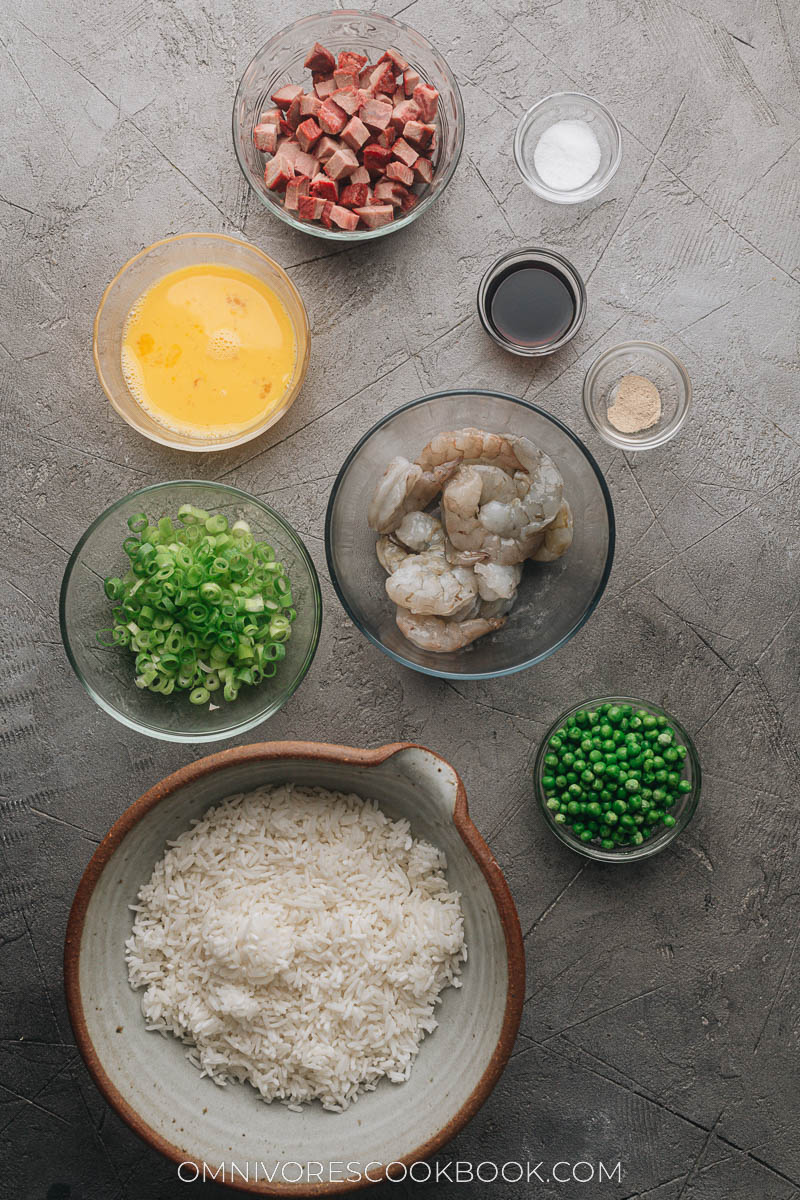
(567, 147)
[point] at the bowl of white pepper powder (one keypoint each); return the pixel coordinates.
(637, 395)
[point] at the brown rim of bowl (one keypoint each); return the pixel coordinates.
(322, 752)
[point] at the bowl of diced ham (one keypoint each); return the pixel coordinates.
(348, 125)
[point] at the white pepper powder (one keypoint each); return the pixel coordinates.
(636, 405)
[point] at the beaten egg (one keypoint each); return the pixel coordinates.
(209, 349)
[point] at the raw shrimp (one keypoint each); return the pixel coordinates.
(557, 536)
(496, 582)
(390, 554)
(471, 446)
(427, 584)
(443, 637)
(420, 531)
(404, 487)
(468, 500)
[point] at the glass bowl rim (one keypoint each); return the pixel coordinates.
(599, 590)
(139, 726)
(622, 441)
(302, 332)
(314, 228)
(532, 254)
(552, 194)
(637, 853)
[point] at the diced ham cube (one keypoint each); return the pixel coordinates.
(375, 215)
(305, 164)
(387, 192)
(418, 133)
(343, 162)
(376, 158)
(285, 95)
(325, 88)
(411, 80)
(407, 110)
(376, 114)
(354, 195)
(277, 173)
(308, 132)
(400, 150)
(344, 218)
(310, 207)
(348, 99)
(344, 79)
(332, 118)
(295, 188)
(285, 128)
(325, 215)
(320, 59)
(423, 168)
(351, 60)
(400, 173)
(427, 98)
(324, 187)
(309, 104)
(294, 114)
(364, 74)
(361, 175)
(265, 138)
(382, 78)
(387, 137)
(355, 133)
(324, 148)
(288, 151)
(407, 200)
(396, 59)
(270, 116)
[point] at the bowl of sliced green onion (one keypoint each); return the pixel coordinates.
(190, 611)
(617, 778)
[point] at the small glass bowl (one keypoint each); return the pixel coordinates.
(280, 61)
(144, 270)
(682, 811)
(654, 363)
(107, 672)
(568, 106)
(534, 256)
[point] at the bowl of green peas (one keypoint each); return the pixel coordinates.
(190, 611)
(617, 778)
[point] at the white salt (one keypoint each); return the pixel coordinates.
(567, 155)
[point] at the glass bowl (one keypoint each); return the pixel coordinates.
(139, 274)
(280, 61)
(683, 810)
(554, 600)
(568, 106)
(654, 363)
(107, 672)
(532, 257)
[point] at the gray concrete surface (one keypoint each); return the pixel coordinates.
(660, 1026)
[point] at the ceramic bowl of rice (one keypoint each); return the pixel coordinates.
(296, 968)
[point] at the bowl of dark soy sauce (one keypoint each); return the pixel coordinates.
(532, 302)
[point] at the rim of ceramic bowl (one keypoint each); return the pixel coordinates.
(362, 235)
(651, 846)
(319, 752)
(540, 188)
(302, 334)
(162, 735)
(456, 675)
(622, 441)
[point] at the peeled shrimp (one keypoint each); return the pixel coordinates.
(443, 637)
(427, 584)
(404, 487)
(481, 528)
(557, 536)
(390, 554)
(496, 582)
(420, 531)
(471, 446)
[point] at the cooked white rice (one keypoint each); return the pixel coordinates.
(297, 939)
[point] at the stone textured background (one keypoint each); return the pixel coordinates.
(661, 1021)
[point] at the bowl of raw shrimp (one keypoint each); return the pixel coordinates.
(469, 534)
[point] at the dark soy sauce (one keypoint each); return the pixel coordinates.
(531, 305)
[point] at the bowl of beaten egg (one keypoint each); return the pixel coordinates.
(201, 342)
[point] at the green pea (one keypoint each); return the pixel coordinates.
(671, 754)
(586, 745)
(581, 717)
(615, 714)
(555, 742)
(568, 759)
(648, 721)
(611, 818)
(551, 760)
(659, 795)
(560, 817)
(594, 809)
(594, 717)
(587, 777)
(684, 786)
(573, 808)
(586, 835)
(669, 820)
(673, 778)
(579, 765)
(606, 844)
(595, 756)
(605, 730)
(571, 777)
(637, 838)
(561, 781)
(632, 785)
(548, 781)
(553, 804)
(620, 807)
